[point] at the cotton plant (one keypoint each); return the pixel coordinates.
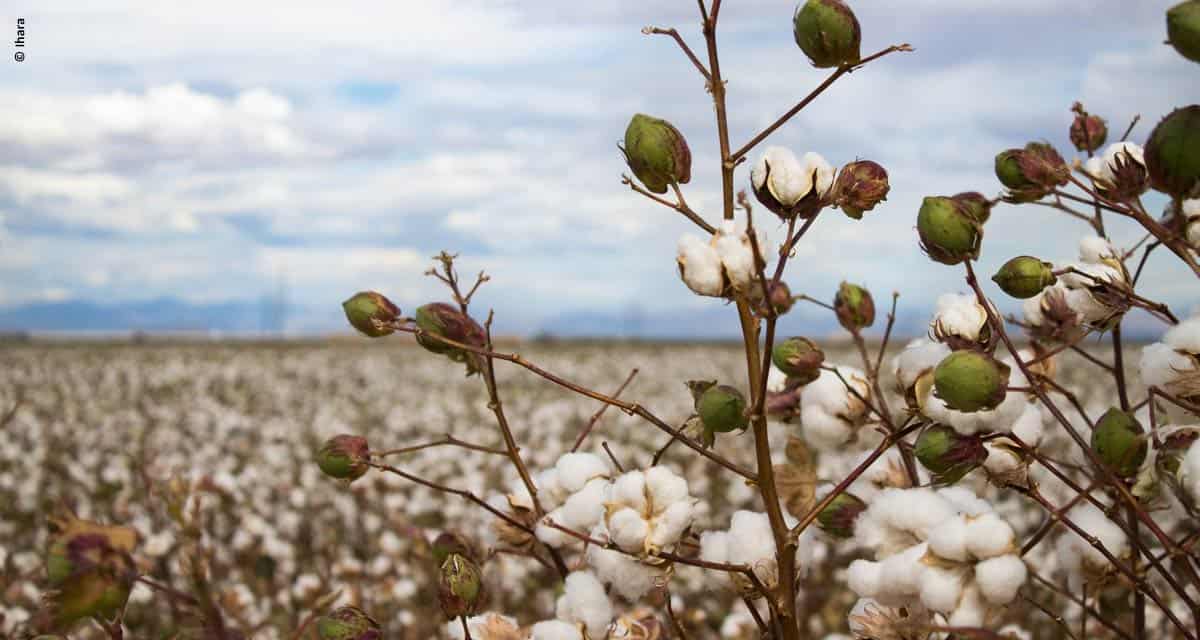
(946, 551)
(920, 506)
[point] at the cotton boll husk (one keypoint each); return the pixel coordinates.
(628, 529)
(949, 540)
(584, 509)
(918, 356)
(576, 469)
(555, 630)
(665, 487)
(584, 601)
(999, 578)
(670, 525)
(989, 536)
(941, 588)
(629, 489)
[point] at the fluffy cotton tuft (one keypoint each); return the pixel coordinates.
(999, 578)
(1101, 167)
(700, 266)
(555, 630)
(790, 179)
(829, 412)
(584, 602)
(989, 536)
(575, 470)
(648, 511)
(628, 577)
(958, 316)
(1077, 555)
(942, 588)
(486, 625)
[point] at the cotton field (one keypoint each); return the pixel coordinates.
(207, 451)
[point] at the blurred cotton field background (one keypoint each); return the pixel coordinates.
(113, 429)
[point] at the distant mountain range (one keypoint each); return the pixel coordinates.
(260, 317)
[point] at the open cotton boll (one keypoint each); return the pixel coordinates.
(585, 602)
(1161, 365)
(989, 536)
(629, 578)
(965, 501)
(1077, 554)
(864, 577)
(959, 316)
(941, 589)
(815, 165)
(628, 530)
(829, 412)
(971, 609)
(670, 525)
(998, 420)
(776, 380)
(1029, 426)
(714, 546)
(555, 630)
(665, 488)
(752, 543)
(824, 432)
(553, 536)
(629, 489)
(1185, 336)
(999, 578)
(584, 509)
(949, 540)
(783, 174)
(900, 574)
(1189, 472)
(1000, 460)
(700, 266)
(918, 356)
(1095, 249)
(483, 626)
(576, 469)
(737, 254)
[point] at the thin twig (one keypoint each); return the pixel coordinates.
(600, 412)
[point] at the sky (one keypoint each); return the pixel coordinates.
(216, 152)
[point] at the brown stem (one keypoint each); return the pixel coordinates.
(682, 45)
(446, 441)
(600, 412)
(679, 206)
(782, 120)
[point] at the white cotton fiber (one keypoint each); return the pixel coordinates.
(555, 630)
(576, 469)
(989, 536)
(999, 578)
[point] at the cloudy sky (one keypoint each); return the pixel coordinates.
(210, 151)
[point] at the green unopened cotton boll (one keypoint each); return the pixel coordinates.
(970, 381)
(1024, 276)
(460, 586)
(348, 623)
(838, 517)
(657, 153)
(442, 320)
(90, 570)
(449, 543)
(722, 409)
(1173, 153)
(854, 307)
(344, 457)
(948, 454)
(949, 234)
(1183, 29)
(371, 313)
(828, 33)
(1008, 169)
(799, 358)
(1119, 441)
(974, 204)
